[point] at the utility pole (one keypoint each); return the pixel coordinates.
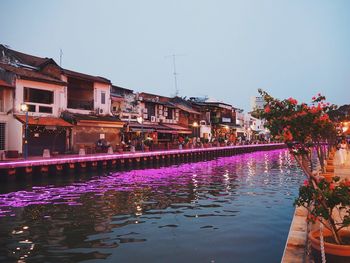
(61, 55)
(175, 72)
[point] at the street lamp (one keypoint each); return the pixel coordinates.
(195, 126)
(140, 121)
(24, 108)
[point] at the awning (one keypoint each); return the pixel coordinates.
(178, 129)
(43, 121)
(137, 127)
(117, 99)
(165, 128)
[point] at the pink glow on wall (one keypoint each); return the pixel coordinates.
(100, 157)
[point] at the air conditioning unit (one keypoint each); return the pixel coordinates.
(153, 118)
(98, 111)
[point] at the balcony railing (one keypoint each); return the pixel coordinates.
(81, 104)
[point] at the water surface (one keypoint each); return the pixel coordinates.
(232, 209)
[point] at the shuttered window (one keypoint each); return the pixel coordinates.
(2, 136)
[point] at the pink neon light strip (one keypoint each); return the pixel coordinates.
(73, 159)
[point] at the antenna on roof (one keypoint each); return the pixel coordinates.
(61, 55)
(175, 73)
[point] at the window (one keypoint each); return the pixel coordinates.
(150, 110)
(103, 97)
(45, 109)
(31, 108)
(38, 96)
(170, 114)
(1, 100)
(2, 136)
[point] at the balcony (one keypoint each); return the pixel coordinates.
(81, 104)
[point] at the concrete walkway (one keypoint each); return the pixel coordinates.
(297, 242)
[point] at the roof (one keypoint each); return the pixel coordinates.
(31, 74)
(43, 121)
(24, 58)
(178, 128)
(5, 84)
(83, 117)
(186, 108)
(116, 98)
(78, 75)
(164, 103)
(147, 126)
(184, 105)
(38, 62)
(209, 101)
(122, 89)
(150, 95)
(164, 128)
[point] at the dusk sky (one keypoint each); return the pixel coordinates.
(228, 49)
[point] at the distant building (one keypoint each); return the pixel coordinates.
(257, 103)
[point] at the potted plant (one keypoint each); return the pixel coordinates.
(221, 141)
(305, 129)
(119, 147)
(186, 142)
(148, 142)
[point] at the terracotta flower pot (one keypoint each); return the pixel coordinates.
(334, 252)
(330, 162)
(328, 176)
(330, 168)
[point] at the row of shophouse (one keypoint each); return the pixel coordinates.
(66, 110)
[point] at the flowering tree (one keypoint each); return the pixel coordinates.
(300, 126)
(304, 128)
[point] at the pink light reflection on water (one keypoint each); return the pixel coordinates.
(119, 181)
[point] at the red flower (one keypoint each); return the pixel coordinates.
(293, 101)
(287, 135)
(332, 186)
(313, 98)
(324, 117)
(267, 109)
(306, 183)
(346, 183)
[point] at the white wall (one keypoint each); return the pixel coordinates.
(205, 129)
(98, 89)
(60, 103)
(14, 135)
(4, 117)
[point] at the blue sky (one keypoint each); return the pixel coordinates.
(229, 48)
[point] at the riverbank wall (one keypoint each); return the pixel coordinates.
(61, 164)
